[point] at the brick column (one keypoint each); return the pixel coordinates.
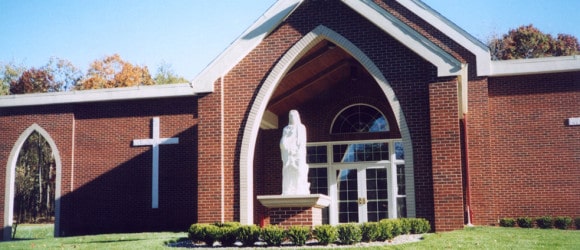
(295, 216)
(446, 156)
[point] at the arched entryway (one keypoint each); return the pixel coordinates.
(290, 86)
(11, 178)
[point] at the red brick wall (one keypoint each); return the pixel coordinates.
(110, 186)
(56, 120)
(536, 155)
(446, 155)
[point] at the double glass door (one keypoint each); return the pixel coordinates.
(362, 194)
(360, 178)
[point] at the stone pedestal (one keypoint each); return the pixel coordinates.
(295, 210)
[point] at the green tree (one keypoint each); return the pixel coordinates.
(114, 72)
(9, 72)
(165, 75)
(529, 42)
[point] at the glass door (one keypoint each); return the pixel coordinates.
(361, 194)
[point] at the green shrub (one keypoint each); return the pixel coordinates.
(227, 235)
(273, 235)
(325, 234)
(371, 231)
(248, 234)
(545, 222)
(386, 228)
(562, 222)
(349, 234)
(577, 223)
(420, 226)
(298, 235)
(525, 222)
(390, 228)
(204, 232)
(405, 225)
(507, 222)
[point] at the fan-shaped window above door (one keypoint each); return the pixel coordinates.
(359, 118)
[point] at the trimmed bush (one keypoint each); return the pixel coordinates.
(507, 222)
(545, 222)
(577, 223)
(419, 226)
(298, 234)
(371, 231)
(405, 225)
(204, 232)
(325, 234)
(390, 228)
(227, 235)
(525, 222)
(273, 235)
(562, 222)
(248, 234)
(349, 234)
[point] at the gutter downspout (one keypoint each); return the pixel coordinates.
(467, 179)
(463, 110)
(222, 147)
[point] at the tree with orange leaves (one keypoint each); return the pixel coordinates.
(114, 72)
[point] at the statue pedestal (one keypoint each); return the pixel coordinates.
(295, 210)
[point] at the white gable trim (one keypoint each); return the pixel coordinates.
(99, 95)
(445, 63)
(242, 46)
(535, 66)
(454, 32)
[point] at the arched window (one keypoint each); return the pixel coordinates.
(359, 118)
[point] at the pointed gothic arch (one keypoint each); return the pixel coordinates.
(260, 103)
(10, 179)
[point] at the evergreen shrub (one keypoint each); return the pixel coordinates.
(577, 223)
(273, 235)
(298, 235)
(525, 222)
(349, 234)
(419, 226)
(545, 222)
(371, 231)
(204, 232)
(325, 234)
(248, 235)
(562, 222)
(507, 222)
(405, 225)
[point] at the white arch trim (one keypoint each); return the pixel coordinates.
(10, 179)
(265, 93)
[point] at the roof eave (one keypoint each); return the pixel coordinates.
(99, 95)
(543, 65)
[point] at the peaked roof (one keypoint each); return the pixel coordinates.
(446, 64)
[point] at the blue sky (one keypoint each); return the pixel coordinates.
(189, 34)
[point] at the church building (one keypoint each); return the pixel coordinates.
(406, 116)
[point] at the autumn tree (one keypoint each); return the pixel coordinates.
(114, 72)
(64, 73)
(34, 81)
(529, 42)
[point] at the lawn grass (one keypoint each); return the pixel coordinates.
(40, 237)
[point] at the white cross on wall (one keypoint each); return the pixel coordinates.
(155, 142)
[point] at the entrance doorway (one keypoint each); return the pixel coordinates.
(361, 177)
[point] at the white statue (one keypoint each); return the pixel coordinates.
(293, 148)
